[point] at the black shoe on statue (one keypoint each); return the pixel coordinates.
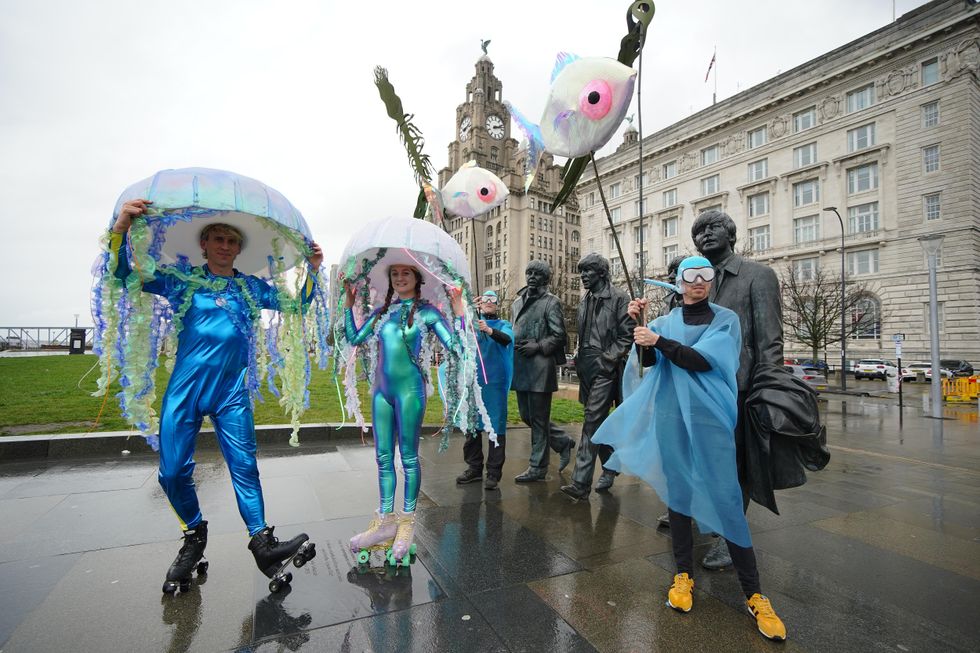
(529, 475)
(717, 557)
(605, 481)
(565, 456)
(576, 491)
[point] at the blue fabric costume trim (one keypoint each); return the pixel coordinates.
(675, 429)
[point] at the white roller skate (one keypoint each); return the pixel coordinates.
(378, 537)
(403, 550)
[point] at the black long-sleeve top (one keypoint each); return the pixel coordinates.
(678, 354)
(500, 337)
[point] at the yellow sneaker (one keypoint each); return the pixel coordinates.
(681, 596)
(769, 624)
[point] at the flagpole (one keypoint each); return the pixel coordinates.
(714, 58)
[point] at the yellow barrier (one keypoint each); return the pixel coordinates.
(961, 389)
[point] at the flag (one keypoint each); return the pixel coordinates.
(710, 66)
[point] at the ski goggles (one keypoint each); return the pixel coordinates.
(489, 299)
(690, 275)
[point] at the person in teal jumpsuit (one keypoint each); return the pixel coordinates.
(398, 397)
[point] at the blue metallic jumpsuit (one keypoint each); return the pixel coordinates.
(399, 394)
(209, 378)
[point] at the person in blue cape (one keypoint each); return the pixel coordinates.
(496, 340)
(675, 430)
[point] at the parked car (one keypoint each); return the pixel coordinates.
(957, 367)
(813, 377)
(874, 368)
(814, 364)
(911, 372)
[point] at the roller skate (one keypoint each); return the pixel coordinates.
(403, 550)
(379, 536)
(272, 556)
(190, 556)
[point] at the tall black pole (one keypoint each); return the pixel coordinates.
(843, 303)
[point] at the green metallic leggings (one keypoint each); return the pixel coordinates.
(400, 411)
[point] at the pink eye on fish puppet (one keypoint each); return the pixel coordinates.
(473, 191)
(587, 102)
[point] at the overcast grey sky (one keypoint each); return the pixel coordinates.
(97, 95)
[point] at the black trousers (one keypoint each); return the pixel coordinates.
(682, 537)
(535, 409)
(473, 454)
(601, 393)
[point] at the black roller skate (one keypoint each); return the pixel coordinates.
(272, 556)
(191, 555)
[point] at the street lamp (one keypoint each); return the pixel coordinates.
(931, 245)
(843, 303)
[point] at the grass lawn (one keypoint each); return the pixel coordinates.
(47, 394)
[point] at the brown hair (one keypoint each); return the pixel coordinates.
(222, 227)
(391, 293)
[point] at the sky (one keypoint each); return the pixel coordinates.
(95, 96)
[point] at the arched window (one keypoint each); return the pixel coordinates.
(574, 236)
(866, 318)
(490, 232)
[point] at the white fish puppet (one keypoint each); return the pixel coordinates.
(587, 102)
(472, 191)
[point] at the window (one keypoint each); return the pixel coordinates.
(759, 170)
(670, 227)
(637, 209)
(860, 137)
(646, 234)
(930, 158)
(930, 114)
(759, 238)
(670, 197)
(803, 120)
(930, 71)
(670, 252)
(670, 169)
(804, 155)
(806, 229)
(861, 98)
(932, 205)
(614, 190)
(612, 241)
(616, 267)
(709, 185)
(636, 180)
(757, 137)
(758, 204)
(616, 214)
(709, 155)
(639, 262)
(591, 199)
(805, 269)
(864, 261)
(591, 244)
(806, 192)
(866, 319)
(940, 314)
(863, 178)
(862, 218)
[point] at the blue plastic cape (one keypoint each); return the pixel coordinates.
(494, 375)
(675, 429)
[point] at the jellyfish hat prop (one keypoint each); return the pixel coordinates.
(131, 325)
(587, 101)
(442, 263)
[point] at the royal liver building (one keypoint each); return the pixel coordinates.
(885, 129)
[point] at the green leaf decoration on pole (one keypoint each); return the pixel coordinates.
(638, 18)
(410, 135)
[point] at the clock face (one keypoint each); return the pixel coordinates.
(495, 127)
(464, 128)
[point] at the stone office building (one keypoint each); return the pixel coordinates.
(885, 128)
(500, 244)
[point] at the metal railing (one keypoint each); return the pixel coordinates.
(36, 338)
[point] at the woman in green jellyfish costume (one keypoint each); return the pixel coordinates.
(408, 267)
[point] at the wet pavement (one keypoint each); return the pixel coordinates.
(880, 551)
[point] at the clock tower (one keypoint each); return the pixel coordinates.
(500, 243)
(482, 125)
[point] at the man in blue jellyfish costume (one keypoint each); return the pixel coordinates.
(496, 340)
(219, 305)
(675, 430)
(398, 398)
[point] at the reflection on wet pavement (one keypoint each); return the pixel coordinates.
(880, 551)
